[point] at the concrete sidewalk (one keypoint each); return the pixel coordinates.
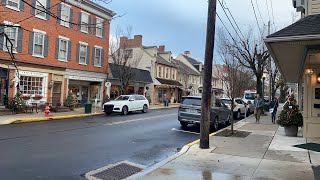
(79, 112)
(266, 153)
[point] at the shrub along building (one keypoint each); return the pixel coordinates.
(55, 55)
(159, 63)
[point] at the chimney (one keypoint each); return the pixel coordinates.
(162, 48)
(187, 53)
(123, 41)
(137, 41)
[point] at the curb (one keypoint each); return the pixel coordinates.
(28, 120)
(175, 156)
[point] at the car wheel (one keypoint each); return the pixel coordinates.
(216, 124)
(184, 124)
(145, 108)
(124, 110)
(238, 114)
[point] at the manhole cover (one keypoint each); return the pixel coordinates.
(116, 171)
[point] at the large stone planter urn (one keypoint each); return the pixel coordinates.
(291, 131)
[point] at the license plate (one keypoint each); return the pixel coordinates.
(193, 111)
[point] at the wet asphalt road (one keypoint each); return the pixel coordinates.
(65, 149)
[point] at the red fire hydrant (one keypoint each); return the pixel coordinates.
(46, 111)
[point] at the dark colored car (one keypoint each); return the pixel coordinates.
(190, 112)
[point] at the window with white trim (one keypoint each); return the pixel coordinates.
(65, 15)
(38, 44)
(84, 22)
(83, 54)
(13, 3)
(99, 25)
(40, 10)
(63, 49)
(31, 85)
(159, 71)
(173, 74)
(97, 56)
(167, 73)
(12, 33)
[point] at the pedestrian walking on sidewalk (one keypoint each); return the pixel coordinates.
(258, 105)
(274, 108)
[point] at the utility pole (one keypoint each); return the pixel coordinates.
(270, 68)
(207, 76)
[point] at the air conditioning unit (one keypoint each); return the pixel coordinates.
(299, 5)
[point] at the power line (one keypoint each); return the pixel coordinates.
(225, 27)
(223, 8)
(268, 10)
(226, 7)
(259, 11)
(255, 15)
(272, 11)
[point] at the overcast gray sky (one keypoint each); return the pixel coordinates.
(181, 24)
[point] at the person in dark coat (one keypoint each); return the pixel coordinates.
(274, 105)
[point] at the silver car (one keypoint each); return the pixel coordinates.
(190, 112)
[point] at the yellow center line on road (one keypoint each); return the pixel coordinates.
(140, 119)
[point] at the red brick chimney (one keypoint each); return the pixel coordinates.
(187, 53)
(131, 43)
(162, 48)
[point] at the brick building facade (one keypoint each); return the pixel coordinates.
(55, 55)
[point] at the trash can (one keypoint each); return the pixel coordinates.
(87, 108)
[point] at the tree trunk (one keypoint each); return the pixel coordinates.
(259, 86)
(232, 107)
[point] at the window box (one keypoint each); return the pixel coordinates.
(37, 97)
(25, 97)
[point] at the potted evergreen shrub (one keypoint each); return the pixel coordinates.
(290, 118)
(70, 101)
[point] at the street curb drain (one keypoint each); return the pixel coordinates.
(117, 171)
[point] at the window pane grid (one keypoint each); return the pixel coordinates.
(38, 44)
(65, 15)
(31, 85)
(12, 34)
(13, 3)
(83, 54)
(84, 22)
(97, 57)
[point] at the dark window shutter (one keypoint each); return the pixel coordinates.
(59, 13)
(33, 4)
(93, 53)
(1, 38)
(69, 51)
(89, 24)
(48, 10)
(88, 54)
(79, 20)
(20, 34)
(46, 46)
(21, 6)
(94, 26)
(78, 51)
(30, 48)
(102, 57)
(56, 53)
(71, 17)
(103, 28)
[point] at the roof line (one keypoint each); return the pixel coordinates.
(291, 38)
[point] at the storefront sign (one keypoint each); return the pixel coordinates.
(82, 78)
(35, 74)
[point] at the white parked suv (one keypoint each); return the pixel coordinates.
(240, 109)
(126, 103)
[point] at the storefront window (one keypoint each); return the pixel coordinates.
(94, 92)
(31, 85)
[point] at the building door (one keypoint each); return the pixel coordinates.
(84, 95)
(56, 93)
(3, 91)
(162, 95)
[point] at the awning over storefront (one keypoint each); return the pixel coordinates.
(167, 82)
(139, 75)
(291, 46)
